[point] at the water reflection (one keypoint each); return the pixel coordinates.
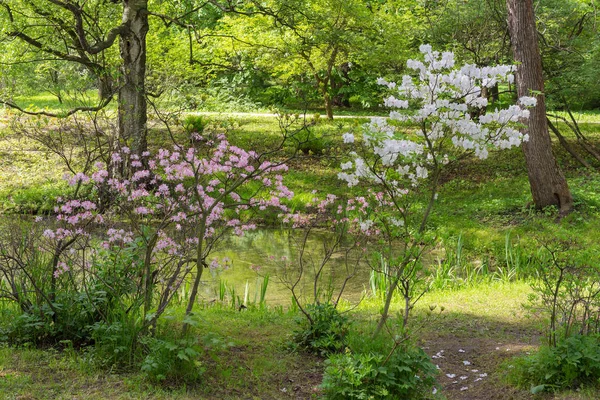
(245, 260)
(270, 250)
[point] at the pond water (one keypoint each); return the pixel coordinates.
(250, 257)
(244, 261)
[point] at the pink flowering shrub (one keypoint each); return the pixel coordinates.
(160, 225)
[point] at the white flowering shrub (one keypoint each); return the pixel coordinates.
(438, 115)
(434, 114)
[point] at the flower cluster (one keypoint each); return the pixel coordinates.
(176, 200)
(441, 111)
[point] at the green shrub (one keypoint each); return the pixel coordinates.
(311, 143)
(326, 330)
(194, 124)
(114, 344)
(172, 360)
(407, 374)
(573, 362)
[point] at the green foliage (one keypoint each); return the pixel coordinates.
(312, 143)
(194, 124)
(379, 280)
(172, 360)
(115, 344)
(573, 362)
(325, 332)
(407, 374)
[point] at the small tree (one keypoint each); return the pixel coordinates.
(334, 224)
(438, 118)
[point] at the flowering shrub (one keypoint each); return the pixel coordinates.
(165, 214)
(437, 117)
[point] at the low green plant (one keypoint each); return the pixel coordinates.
(114, 344)
(573, 362)
(173, 360)
(194, 124)
(312, 143)
(406, 373)
(171, 356)
(261, 288)
(323, 330)
(379, 280)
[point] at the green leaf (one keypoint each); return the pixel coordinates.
(538, 389)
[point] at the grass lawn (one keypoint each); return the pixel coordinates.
(247, 354)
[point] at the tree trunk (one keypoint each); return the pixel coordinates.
(548, 184)
(132, 94)
(328, 104)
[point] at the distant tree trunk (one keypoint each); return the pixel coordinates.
(548, 184)
(495, 93)
(132, 92)
(328, 104)
(104, 83)
(337, 84)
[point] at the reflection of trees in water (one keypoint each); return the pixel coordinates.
(263, 247)
(268, 248)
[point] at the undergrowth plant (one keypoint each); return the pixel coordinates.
(567, 292)
(572, 363)
(405, 374)
(325, 333)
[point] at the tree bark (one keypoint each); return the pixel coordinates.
(328, 104)
(132, 94)
(548, 184)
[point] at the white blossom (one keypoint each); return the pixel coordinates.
(348, 138)
(527, 101)
(439, 100)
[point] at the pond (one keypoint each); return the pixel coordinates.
(245, 260)
(241, 263)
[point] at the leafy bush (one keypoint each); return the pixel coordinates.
(311, 143)
(407, 374)
(325, 332)
(172, 359)
(114, 344)
(194, 124)
(573, 362)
